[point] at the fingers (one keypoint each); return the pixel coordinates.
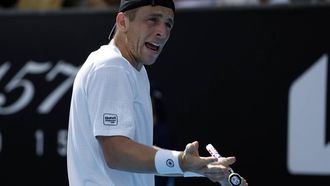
(219, 171)
(215, 171)
(214, 168)
(208, 161)
(227, 161)
(223, 161)
(244, 182)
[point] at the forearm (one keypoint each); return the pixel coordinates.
(121, 153)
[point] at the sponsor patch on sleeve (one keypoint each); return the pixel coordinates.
(110, 119)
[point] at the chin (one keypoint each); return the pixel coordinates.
(150, 61)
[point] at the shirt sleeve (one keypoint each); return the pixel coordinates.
(110, 99)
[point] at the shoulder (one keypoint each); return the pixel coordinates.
(107, 57)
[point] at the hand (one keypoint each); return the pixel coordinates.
(222, 167)
(226, 162)
(209, 167)
(225, 182)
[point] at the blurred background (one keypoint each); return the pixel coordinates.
(248, 76)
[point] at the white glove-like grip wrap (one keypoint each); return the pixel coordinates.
(167, 162)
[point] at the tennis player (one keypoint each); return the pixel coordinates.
(110, 125)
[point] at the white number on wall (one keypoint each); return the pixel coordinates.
(20, 82)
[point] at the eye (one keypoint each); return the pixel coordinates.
(152, 19)
(169, 25)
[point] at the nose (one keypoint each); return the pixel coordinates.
(162, 31)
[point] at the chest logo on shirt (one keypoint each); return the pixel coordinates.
(110, 119)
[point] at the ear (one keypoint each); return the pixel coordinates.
(121, 22)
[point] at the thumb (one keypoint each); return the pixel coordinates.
(192, 147)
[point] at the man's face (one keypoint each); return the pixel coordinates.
(148, 33)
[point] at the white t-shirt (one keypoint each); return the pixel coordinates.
(110, 97)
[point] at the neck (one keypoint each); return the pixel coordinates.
(126, 54)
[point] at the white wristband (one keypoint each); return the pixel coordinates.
(167, 162)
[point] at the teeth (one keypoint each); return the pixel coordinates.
(156, 44)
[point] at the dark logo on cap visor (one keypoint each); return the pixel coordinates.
(110, 119)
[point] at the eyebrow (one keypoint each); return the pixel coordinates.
(161, 16)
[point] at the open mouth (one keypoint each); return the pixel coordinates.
(152, 46)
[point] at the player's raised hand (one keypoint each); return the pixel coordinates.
(206, 166)
(232, 178)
